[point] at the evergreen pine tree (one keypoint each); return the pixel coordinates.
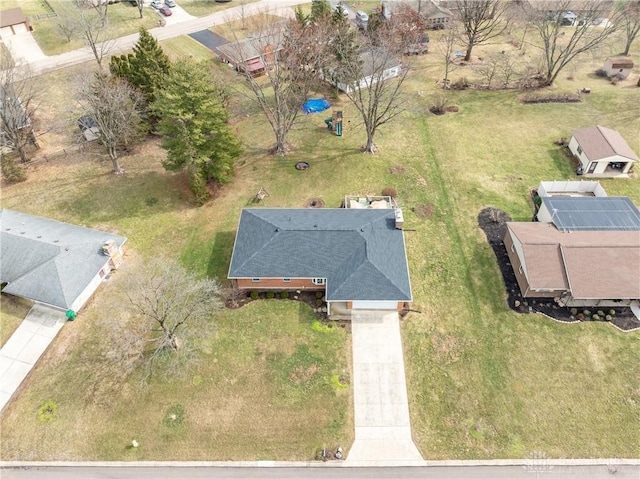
(193, 122)
(145, 68)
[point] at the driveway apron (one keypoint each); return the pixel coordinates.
(25, 346)
(382, 426)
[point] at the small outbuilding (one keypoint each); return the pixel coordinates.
(602, 152)
(619, 67)
(13, 22)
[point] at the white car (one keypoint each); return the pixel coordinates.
(156, 4)
(170, 3)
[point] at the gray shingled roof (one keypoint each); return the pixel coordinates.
(49, 261)
(593, 213)
(359, 251)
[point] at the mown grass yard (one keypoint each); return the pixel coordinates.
(484, 382)
(12, 312)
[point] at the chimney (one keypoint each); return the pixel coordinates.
(399, 218)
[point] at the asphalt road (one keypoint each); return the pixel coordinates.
(323, 472)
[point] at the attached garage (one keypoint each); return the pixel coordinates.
(13, 22)
(374, 305)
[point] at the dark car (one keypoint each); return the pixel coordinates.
(166, 11)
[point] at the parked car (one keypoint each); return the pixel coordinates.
(166, 11)
(156, 3)
(170, 3)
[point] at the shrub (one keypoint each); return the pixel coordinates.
(319, 294)
(612, 312)
(270, 294)
(608, 317)
(319, 302)
(284, 295)
(254, 294)
(600, 313)
(586, 312)
(460, 84)
(388, 191)
(12, 173)
(595, 317)
(601, 73)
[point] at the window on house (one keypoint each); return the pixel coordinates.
(101, 273)
(255, 280)
(579, 150)
(286, 280)
(513, 248)
(319, 281)
(521, 270)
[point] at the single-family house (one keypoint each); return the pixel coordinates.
(54, 263)
(356, 256)
(13, 22)
(254, 53)
(376, 64)
(602, 152)
(434, 13)
(619, 67)
(590, 213)
(576, 268)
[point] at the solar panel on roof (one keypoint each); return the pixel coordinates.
(593, 214)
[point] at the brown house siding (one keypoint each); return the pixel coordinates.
(516, 264)
(278, 283)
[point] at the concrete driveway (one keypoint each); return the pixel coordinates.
(23, 47)
(178, 14)
(25, 346)
(382, 426)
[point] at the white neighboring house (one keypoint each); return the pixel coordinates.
(54, 263)
(602, 152)
(371, 60)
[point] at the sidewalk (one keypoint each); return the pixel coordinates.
(383, 428)
(23, 349)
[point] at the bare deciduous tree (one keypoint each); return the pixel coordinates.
(18, 103)
(447, 48)
(292, 57)
(500, 66)
(629, 15)
(174, 304)
(162, 310)
(140, 6)
(374, 82)
(562, 44)
(481, 21)
(116, 107)
(89, 21)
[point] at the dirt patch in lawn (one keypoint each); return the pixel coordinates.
(493, 222)
(397, 170)
(423, 211)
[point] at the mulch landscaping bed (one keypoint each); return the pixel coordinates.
(492, 222)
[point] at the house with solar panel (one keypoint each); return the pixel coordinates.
(54, 263)
(602, 152)
(355, 256)
(581, 251)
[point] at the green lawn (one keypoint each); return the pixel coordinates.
(483, 381)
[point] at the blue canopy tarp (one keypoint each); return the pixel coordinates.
(315, 105)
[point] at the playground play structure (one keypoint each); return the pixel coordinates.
(334, 123)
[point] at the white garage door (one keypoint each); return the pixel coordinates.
(375, 305)
(20, 28)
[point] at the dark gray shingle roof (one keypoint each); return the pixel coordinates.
(49, 261)
(359, 251)
(593, 213)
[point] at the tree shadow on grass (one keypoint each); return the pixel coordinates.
(220, 254)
